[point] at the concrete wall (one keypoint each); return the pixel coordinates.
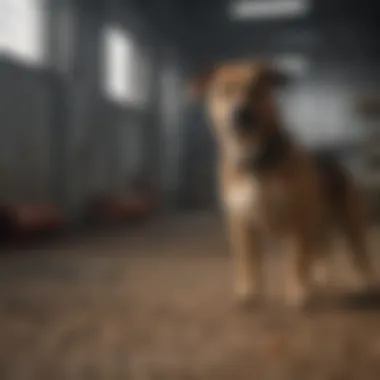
(61, 138)
(25, 164)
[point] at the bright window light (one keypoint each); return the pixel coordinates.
(21, 29)
(260, 9)
(119, 65)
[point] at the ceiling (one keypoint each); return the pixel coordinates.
(202, 27)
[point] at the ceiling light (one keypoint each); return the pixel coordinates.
(250, 9)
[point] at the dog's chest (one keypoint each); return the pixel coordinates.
(266, 203)
(242, 196)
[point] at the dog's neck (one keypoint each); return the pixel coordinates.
(271, 156)
(273, 153)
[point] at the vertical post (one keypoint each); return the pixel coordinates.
(59, 111)
(70, 77)
(83, 88)
(152, 139)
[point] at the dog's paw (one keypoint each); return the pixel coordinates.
(371, 287)
(369, 283)
(296, 295)
(249, 303)
(321, 274)
(246, 297)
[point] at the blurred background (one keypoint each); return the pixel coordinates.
(94, 93)
(97, 130)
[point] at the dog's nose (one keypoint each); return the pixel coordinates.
(244, 118)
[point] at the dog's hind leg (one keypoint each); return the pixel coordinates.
(354, 227)
(324, 258)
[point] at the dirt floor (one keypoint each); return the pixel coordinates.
(156, 303)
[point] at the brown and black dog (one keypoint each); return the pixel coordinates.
(272, 190)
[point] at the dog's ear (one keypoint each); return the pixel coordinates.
(198, 85)
(273, 75)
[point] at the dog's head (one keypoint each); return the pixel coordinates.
(240, 104)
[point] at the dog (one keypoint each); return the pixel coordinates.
(272, 190)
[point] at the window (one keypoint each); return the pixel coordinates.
(295, 65)
(126, 69)
(119, 65)
(21, 29)
(260, 9)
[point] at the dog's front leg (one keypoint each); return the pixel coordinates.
(300, 256)
(246, 255)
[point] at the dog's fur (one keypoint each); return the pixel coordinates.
(273, 191)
